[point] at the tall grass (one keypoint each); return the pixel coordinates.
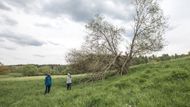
(164, 84)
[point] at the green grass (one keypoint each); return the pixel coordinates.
(163, 84)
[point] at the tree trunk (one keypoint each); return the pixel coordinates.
(113, 62)
(125, 67)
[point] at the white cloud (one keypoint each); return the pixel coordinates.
(177, 37)
(59, 26)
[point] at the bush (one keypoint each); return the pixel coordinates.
(29, 70)
(4, 70)
(44, 69)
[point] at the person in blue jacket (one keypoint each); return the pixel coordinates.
(48, 82)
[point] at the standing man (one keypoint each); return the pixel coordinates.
(69, 81)
(48, 83)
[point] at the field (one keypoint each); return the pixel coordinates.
(159, 84)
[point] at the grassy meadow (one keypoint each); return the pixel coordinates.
(159, 84)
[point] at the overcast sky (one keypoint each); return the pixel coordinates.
(43, 31)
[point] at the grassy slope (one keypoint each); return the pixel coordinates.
(164, 84)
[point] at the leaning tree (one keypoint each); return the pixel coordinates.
(148, 29)
(104, 38)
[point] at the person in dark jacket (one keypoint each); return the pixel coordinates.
(48, 82)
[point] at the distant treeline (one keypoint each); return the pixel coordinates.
(57, 69)
(34, 69)
(154, 58)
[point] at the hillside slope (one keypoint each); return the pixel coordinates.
(163, 84)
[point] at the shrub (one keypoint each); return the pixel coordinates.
(30, 70)
(4, 70)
